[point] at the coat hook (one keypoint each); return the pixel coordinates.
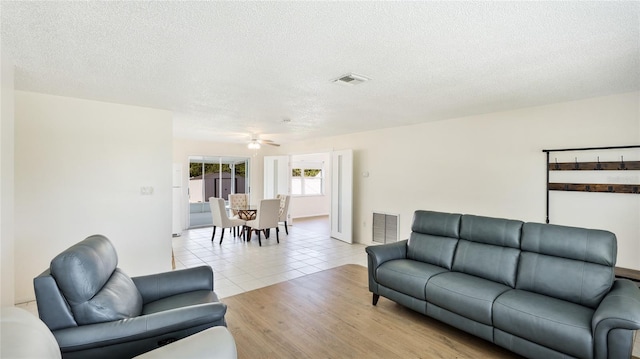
(598, 165)
(622, 165)
(576, 165)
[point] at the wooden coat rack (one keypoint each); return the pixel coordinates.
(591, 166)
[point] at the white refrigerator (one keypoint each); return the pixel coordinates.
(176, 227)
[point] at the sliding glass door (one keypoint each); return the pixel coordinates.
(213, 176)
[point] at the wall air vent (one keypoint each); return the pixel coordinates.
(351, 79)
(386, 227)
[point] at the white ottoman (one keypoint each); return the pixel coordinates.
(216, 342)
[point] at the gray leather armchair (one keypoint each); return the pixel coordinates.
(95, 310)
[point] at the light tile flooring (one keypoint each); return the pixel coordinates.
(241, 266)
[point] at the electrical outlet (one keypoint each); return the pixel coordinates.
(146, 190)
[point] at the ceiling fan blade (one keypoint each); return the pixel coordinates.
(268, 142)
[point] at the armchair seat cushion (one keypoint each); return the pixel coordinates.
(407, 276)
(466, 295)
(551, 322)
(180, 300)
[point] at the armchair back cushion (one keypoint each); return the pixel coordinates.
(95, 290)
(489, 248)
(433, 238)
(573, 264)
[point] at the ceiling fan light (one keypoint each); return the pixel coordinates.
(254, 145)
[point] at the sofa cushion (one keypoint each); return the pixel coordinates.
(433, 238)
(495, 263)
(550, 322)
(573, 264)
(488, 248)
(466, 295)
(431, 249)
(587, 245)
(578, 282)
(496, 231)
(436, 223)
(407, 276)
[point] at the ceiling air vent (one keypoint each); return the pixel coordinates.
(351, 79)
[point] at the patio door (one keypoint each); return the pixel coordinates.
(342, 195)
(214, 176)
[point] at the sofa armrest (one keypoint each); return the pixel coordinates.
(386, 252)
(161, 285)
(145, 326)
(620, 309)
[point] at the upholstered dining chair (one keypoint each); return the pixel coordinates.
(267, 218)
(238, 200)
(95, 310)
(220, 218)
(284, 209)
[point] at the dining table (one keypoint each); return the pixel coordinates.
(246, 213)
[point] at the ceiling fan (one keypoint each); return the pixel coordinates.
(255, 143)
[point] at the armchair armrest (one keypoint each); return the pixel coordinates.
(386, 252)
(620, 309)
(145, 326)
(157, 286)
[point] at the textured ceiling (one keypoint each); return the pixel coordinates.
(229, 69)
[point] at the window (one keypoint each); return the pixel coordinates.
(307, 180)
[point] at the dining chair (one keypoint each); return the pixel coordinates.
(238, 200)
(284, 209)
(266, 218)
(220, 218)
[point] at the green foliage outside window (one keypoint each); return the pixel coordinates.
(195, 169)
(297, 172)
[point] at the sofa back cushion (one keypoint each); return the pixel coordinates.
(489, 248)
(434, 237)
(94, 288)
(573, 264)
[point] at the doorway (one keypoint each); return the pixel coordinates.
(320, 185)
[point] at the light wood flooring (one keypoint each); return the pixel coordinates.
(329, 315)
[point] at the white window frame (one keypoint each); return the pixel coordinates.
(302, 166)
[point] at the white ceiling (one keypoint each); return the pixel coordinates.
(229, 69)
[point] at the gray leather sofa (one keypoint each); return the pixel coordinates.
(95, 310)
(539, 290)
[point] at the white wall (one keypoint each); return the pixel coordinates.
(489, 165)
(183, 148)
(7, 272)
(80, 166)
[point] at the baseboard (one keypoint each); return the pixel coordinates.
(310, 216)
